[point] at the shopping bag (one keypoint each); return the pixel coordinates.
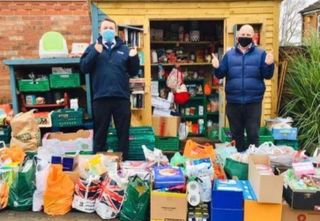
(59, 192)
(237, 169)
(110, 201)
(7, 176)
(174, 80)
(25, 131)
(42, 172)
(193, 150)
(85, 194)
(23, 187)
(223, 151)
(136, 204)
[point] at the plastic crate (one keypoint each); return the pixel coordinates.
(291, 143)
(29, 85)
(285, 133)
(138, 136)
(65, 80)
(67, 118)
(167, 143)
(264, 135)
(5, 134)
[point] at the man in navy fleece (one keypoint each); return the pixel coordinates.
(110, 64)
(245, 67)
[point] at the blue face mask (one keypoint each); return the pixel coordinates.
(108, 35)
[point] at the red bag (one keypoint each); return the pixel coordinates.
(181, 94)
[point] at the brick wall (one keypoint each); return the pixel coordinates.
(23, 22)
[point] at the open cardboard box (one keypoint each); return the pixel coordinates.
(82, 140)
(268, 188)
(289, 214)
(168, 206)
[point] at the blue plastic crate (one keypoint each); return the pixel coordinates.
(285, 133)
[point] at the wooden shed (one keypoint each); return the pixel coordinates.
(217, 21)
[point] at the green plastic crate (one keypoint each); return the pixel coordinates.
(138, 136)
(291, 143)
(65, 80)
(5, 134)
(29, 85)
(167, 143)
(264, 135)
(67, 118)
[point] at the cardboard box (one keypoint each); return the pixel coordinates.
(165, 126)
(82, 140)
(168, 206)
(268, 188)
(289, 214)
(301, 199)
(254, 211)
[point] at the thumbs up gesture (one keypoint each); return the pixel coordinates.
(133, 52)
(269, 58)
(98, 47)
(215, 61)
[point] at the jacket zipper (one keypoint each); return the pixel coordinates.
(242, 97)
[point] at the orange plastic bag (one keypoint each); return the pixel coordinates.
(193, 150)
(15, 153)
(59, 193)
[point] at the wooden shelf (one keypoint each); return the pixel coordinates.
(136, 109)
(182, 42)
(183, 64)
(186, 81)
(46, 106)
(197, 98)
(193, 116)
(213, 113)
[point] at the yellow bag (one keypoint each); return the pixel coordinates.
(59, 192)
(193, 150)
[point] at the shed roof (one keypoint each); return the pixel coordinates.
(314, 7)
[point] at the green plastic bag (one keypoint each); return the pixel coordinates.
(237, 169)
(22, 188)
(136, 205)
(178, 161)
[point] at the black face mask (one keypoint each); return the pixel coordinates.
(244, 41)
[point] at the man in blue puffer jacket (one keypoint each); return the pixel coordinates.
(110, 64)
(245, 67)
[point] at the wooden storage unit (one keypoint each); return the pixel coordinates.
(263, 14)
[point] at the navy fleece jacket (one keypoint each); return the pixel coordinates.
(110, 70)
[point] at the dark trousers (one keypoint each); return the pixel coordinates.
(119, 109)
(244, 117)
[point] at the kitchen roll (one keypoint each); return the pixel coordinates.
(194, 199)
(193, 187)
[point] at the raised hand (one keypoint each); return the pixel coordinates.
(133, 52)
(98, 47)
(215, 61)
(269, 58)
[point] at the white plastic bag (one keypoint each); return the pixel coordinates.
(42, 172)
(183, 131)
